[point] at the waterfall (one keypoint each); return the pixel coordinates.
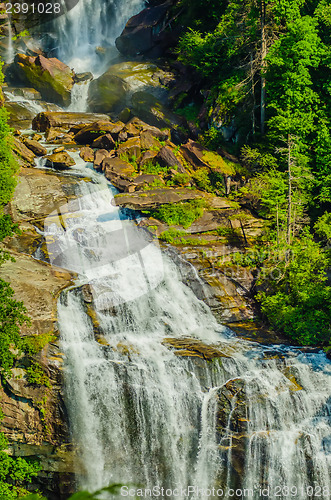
(79, 94)
(10, 48)
(91, 27)
(140, 414)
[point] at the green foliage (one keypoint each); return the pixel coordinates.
(179, 214)
(177, 237)
(181, 179)
(297, 300)
(33, 344)
(35, 375)
(113, 489)
(323, 226)
(12, 316)
(150, 168)
(15, 473)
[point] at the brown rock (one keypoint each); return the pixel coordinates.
(51, 77)
(163, 135)
(166, 158)
(148, 141)
(131, 147)
(34, 146)
(24, 155)
(148, 157)
(131, 130)
(193, 154)
(144, 180)
(104, 142)
(155, 197)
(118, 172)
(66, 119)
(122, 136)
(94, 130)
(60, 160)
(99, 156)
(87, 154)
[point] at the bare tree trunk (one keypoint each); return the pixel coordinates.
(263, 56)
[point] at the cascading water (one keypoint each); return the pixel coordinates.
(91, 27)
(140, 414)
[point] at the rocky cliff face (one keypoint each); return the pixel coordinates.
(35, 418)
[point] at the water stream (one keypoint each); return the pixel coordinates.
(142, 413)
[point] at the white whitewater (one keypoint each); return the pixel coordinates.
(142, 415)
(10, 46)
(91, 27)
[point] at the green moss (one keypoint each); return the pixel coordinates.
(35, 375)
(35, 343)
(177, 237)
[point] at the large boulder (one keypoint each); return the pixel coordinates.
(155, 197)
(130, 148)
(64, 119)
(106, 93)
(166, 158)
(89, 133)
(34, 146)
(151, 110)
(25, 157)
(141, 31)
(61, 160)
(118, 172)
(51, 77)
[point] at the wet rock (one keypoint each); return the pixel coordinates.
(135, 122)
(104, 142)
(58, 136)
(51, 77)
(34, 146)
(19, 115)
(89, 133)
(83, 77)
(125, 115)
(87, 154)
(193, 347)
(155, 197)
(64, 119)
(106, 93)
(24, 155)
(131, 147)
(60, 161)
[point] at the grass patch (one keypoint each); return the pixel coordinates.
(178, 237)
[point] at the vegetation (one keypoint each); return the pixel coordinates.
(15, 473)
(267, 68)
(179, 214)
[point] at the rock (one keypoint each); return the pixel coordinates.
(94, 130)
(19, 115)
(193, 154)
(155, 197)
(34, 146)
(118, 172)
(140, 32)
(131, 148)
(106, 93)
(37, 194)
(83, 77)
(87, 154)
(194, 347)
(125, 115)
(122, 136)
(147, 157)
(135, 122)
(51, 77)
(58, 136)
(24, 155)
(58, 150)
(210, 221)
(151, 110)
(99, 156)
(28, 93)
(60, 160)
(166, 158)
(131, 130)
(143, 180)
(37, 137)
(64, 119)
(104, 142)
(148, 141)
